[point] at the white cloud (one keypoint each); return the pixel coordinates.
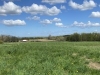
(33, 18)
(60, 25)
(10, 8)
(88, 24)
(34, 9)
(41, 9)
(62, 7)
(53, 11)
(95, 14)
(53, 1)
(13, 22)
(56, 20)
(36, 18)
(87, 5)
(46, 21)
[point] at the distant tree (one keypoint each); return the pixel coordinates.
(49, 37)
(60, 38)
(75, 37)
(83, 37)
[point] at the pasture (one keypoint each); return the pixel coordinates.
(50, 58)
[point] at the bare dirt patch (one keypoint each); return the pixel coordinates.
(91, 64)
(94, 65)
(41, 40)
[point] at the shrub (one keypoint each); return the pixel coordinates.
(1, 42)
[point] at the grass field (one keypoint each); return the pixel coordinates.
(50, 58)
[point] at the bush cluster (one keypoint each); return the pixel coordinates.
(1, 42)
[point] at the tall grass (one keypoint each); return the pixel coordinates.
(49, 58)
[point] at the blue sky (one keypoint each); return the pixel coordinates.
(29, 18)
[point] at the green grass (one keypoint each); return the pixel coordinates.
(49, 58)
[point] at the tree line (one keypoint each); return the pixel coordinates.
(83, 37)
(72, 37)
(8, 38)
(77, 37)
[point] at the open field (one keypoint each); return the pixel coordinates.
(50, 58)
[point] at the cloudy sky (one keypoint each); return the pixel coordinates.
(49, 17)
